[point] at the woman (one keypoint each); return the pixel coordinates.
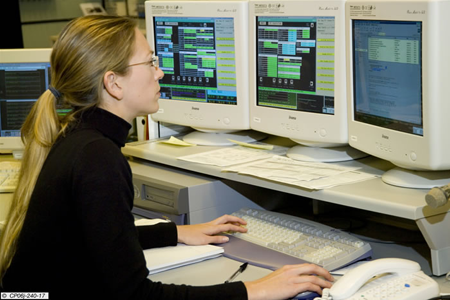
(70, 231)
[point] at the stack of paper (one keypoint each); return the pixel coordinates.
(165, 258)
(230, 156)
(310, 175)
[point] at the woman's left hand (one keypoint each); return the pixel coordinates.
(205, 233)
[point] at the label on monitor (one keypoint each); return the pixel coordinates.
(366, 10)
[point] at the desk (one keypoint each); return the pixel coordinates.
(216, 271)
(371, 195)
(209, 272)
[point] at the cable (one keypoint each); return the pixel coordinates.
(346, 224)
(325, 295)
(373, 240)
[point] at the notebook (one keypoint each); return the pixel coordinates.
(165, 258)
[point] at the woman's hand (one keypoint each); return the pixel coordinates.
(289, 281)
(202, 234)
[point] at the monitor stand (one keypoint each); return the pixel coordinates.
(204, 138)
(324, 154)
(416, 179)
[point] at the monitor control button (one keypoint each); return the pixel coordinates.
(226, 121)
(323, 132)
(413, 156)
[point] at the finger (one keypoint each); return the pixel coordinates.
(324, 273)
(308, 286)
(312, 269)
(314, 280)
(229, 219)
(230, 227)
(217, 239)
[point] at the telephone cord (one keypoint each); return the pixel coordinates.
(325, 295)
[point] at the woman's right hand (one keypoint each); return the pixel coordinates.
(289, 281)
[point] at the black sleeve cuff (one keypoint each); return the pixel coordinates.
(159, 235)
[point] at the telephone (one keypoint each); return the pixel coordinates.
(385, 279)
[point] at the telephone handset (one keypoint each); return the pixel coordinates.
(386, 278)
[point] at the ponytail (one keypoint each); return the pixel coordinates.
(86, 49)
(38, 134)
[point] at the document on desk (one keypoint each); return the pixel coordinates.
(308, 175)
(166, 258)
(235, 155)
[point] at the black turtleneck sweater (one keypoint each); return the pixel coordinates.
(79, 240)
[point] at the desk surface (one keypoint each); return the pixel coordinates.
(209, 272)
(216, 271)
(382, 198)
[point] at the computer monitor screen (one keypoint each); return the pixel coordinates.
(202, 48)
(298, 79)
(384, 96)
(287, 63)
(397, 93)
(24, 76)
(190, 50)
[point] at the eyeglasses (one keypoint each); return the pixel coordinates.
(154, 62)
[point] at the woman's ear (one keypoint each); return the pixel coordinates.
(113, 85)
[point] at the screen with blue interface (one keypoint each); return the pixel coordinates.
(387, 71)
(295, 63)
(197, 55)
(21, 84)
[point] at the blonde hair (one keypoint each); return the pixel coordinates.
(86, 49)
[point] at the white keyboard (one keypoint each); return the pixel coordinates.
(303, 239)
(9, 175)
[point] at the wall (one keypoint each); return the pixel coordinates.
(43, 19)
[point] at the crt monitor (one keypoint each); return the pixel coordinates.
(298, 77)
(24, 76)
(202, 49)
(398, 89)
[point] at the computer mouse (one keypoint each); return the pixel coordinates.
(306, 296)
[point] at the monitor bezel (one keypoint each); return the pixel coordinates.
(307, 128)
(213, 117)
(26, 55)
(407, 150)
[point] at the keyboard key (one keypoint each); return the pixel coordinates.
(9, 175)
